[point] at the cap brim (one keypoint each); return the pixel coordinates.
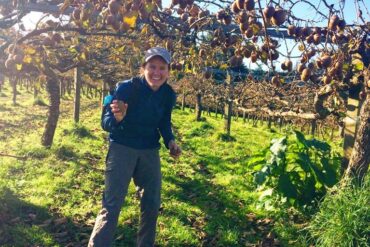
(156, 55)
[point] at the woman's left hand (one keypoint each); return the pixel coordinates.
(175, 150)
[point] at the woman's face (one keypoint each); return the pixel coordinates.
(156, 72)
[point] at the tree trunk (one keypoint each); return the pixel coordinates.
(313, 127)
(77, 98)
(198, 107)
(360, 157)
(183, 101)
(228, 109)
(52, 87)
(13, 82)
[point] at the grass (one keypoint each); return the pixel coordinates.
(343, 220)
(50, 197)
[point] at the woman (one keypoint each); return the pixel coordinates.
(139, 113)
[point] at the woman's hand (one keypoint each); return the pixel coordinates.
(119, 109)
(175, 150)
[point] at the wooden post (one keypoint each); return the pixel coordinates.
(77, 79)
(350, 129)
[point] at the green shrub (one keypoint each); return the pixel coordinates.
(343, 218)
(295, 171)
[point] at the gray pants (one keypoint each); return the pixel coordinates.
(122, 164)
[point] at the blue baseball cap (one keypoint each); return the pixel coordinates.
(158, 51)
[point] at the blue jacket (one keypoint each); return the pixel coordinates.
(148, 115)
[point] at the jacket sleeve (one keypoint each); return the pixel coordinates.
(165, 123)
(108, 121)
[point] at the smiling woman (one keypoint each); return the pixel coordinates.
(140, 112)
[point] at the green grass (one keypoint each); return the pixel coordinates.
(208, 196)
(344, 217)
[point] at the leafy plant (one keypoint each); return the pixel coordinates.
(295, 171)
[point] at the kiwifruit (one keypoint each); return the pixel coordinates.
(169, 44)
(249, 33)
(249, 5)
(178, 66)
(234, 8)
(311, 66)
(254, 56)
(47, 41)
(76, 14)
(203, 13)
(289, 65)
(113, 6)
(207, 74)
(183, 4)
(306, 31)
(227, 20)
(116, 24)
(309, 39)
(255, 39)
(274, 55)
(341, 24)
(311, 53)
(319, 63)
(304, 58)
(243, 17)
(190, 2)
(275, 80)
(326, 79)
(220, 15)
(316, 38)
(56, 37)
(334, 19)
(174, 2)
(194, 10)
(184, 17)
(279, 17)
(110, 19)
(316, 30)
(191, 20)
(252, 19)
(291, 30)
(306, 73)
(240, 4)
(18, 58)
(243, 26)
(325, 61)
(268, 11)
(202, 53)
(246, 52)
(283, 66)
(124, 27)
(301, 67)
(180, 11)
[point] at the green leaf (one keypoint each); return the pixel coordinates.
(300, 138)
(358, 65)
(278, 146)
(260, 177)
(323, 146)
(286, 187)
(329, 173)
(304, 162)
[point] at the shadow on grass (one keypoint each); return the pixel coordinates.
(224, 212)
(25, 224)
